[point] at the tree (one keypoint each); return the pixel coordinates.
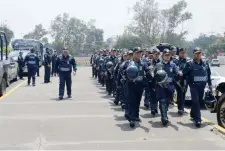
(38, 33)
(127, 40)
(146, 21)
(9, 33)
(77, 35)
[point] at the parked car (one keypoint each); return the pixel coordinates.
(13, 56)
(12, 70)
(215, 62)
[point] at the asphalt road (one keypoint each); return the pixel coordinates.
(33, 118)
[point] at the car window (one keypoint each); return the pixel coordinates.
(215, 60)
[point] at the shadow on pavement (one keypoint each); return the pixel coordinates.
(192, 125)
(158, 124)
(126, 127)
(149, 115)
(175, 114)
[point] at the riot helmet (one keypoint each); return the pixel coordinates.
(162, 79)
(132, 72)
(109, 66)
(210, 101)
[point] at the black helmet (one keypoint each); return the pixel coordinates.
(101, 61)
(161, 78)
(132, 72)
(210, 101)
(109, 66)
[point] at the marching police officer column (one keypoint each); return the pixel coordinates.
(65, 63)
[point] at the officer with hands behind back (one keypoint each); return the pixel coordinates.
(32, 62)
(65, 63)
(197, 72)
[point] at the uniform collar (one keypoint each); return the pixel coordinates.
(197, 62)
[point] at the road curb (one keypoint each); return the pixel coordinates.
(210, 123)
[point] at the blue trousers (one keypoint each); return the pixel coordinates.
(197, 93)
(126, 97)
(180, 97)
(135, 94)
(31, 74)
(65, 78)
(47, 73)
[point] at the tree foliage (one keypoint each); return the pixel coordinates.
(153, 25)
(38, 33)
(9, 33)
(76, 34)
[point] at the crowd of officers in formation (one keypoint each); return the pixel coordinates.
(127, 74)
(54, 65)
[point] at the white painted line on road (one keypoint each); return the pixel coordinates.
(25, 117)
(55, 102)
(140, 140)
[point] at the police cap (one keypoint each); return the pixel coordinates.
(173, 48)
(137, 49)
(166, 51)
(197, 50)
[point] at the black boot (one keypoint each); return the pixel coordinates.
(163, 109)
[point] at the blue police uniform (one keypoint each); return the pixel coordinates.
(53, 60)
(47, 66)
(64, 66)
(164, 95)
(153, 100)
(147, 88)
(124, 81)
(181, 63)
(110, 81)
(197, 75)
(102, 70)
(20, 65)
(136, 88)
(31, 60)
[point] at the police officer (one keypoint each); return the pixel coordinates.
(154, 101)
(124, 81)
(38, 71)
(181, 63)
(31, 60)
(136, 72)
(164, 93)
(198, 74)
(47, 66)
(173, 53)
(109, 81)
(117, 74)
(54, 57)
(92, 63)
(21, 64)
(65, 63)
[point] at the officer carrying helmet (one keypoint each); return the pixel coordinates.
(165, 73)
(65, 63)
(197, 73)
(137, 74)
(32, 62)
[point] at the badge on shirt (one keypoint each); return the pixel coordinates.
(171, 69)
(140, 67)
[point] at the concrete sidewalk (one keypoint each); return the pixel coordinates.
(32, 118)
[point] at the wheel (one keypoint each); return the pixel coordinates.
(218, 65)
(3, 87)
(221, 111)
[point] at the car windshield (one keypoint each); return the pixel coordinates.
(215, 60)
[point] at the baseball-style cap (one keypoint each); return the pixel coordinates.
(197, 50)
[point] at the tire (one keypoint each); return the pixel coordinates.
(3, 87)
(221, 111)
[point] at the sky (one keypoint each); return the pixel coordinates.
(111, 15)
